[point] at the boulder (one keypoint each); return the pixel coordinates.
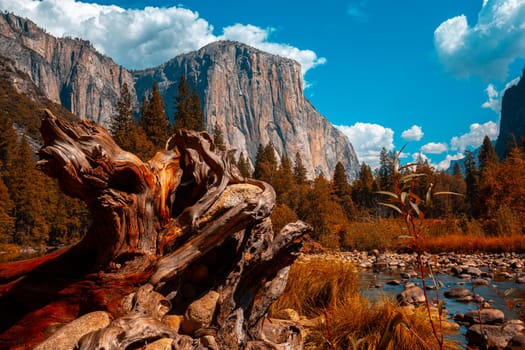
(200, 313)
(68, 336)
(457, 292)
(411, 295)
(496, 336)
(485, 316)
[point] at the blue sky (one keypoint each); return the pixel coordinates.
(430, 74)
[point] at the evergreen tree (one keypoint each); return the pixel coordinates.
(122, 122)
(244, 166)
(343, 190)
(472, 183)
(265, 164)
(153, 119)
(188, 111)
(320, 209)
(284, 183)
(488, 166)
(218, 138)
(27, 186)
(386, 170)
(487, 155)
(7, 222)
(363, 189)
(299, 170)
(8, 144)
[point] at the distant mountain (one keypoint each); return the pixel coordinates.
(69, 71)
(255, 97)
(512, 116)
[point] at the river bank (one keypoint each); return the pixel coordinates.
(465, 283)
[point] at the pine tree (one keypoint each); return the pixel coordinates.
(218, 138)
(244, 166)
(320, 209)
(343, 190)
(488, 167)
(188, 111)
(265, 164)
(386, 170)
(7, 222)
(153, 119)
(472, 183)
(8, 143)
(299, 170)
(363, 189)
(27, 191)
(487, 155)
(122, 122)
(284, 183)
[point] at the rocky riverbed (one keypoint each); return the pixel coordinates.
(484, 293)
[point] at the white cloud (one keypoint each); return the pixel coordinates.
(415, 133)
(474, 138)
(368, 140)
(419, 157)
(140, 38)
(494, 97)
(445, 163)
(487, 48)
(434, 148)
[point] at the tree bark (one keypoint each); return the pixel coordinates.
(185, 222)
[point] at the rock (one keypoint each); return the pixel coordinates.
(480, 282)
(287, 314)
(69, 71)
(173, 321)
(209, 342)
(457, 292)
(67, 336)
(517, 341)
(520, 279)
(485, 316)
(394, 282)
(412, 295)
(473, 271)
(465, 299)
(161, 344)
(253, 95)
(498, 337)
(200, 312)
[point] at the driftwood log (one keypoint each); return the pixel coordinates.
(164, 233)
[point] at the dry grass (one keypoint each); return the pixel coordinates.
(472, 244)
(462, 236)
(328, 290)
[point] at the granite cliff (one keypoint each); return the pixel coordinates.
(254, 97)
(512, 116)
(69, 71)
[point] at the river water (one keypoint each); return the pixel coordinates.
(504, 294)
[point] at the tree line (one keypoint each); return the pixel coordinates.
(33, 211)
(489, 191)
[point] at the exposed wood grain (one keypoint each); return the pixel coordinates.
(164, 233)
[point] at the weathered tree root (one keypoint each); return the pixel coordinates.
(165, 234)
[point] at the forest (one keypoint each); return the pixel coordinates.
(344, 215)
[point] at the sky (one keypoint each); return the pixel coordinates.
(427, 75)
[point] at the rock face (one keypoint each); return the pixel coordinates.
(69, 71)
(512, 116)
(254, 97)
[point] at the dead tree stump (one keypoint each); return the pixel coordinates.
(164, 233)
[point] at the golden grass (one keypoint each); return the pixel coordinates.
(437, 236)
(328, 290)
(472, 244)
